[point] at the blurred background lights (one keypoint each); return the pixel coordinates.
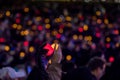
(47, 26)
(111, 59)
(26, 9)
(85, 27)
(25, 43)
(38, 18)
(17, 20)
(108, 39)
(117, 44)
(106, 21)
(14, 26)
(26, 32)
(80, 37)
(22, 54)
(22, 33)
(80, 29)
(47, 20)
(94, 17)
(1, 15)
(68, 57)
(58, 36)
(99, 21)
(98, 35)
(7, 48)
(98, 13)
(40, 27)
(68, 18)
(2, 40)
(75, 37)
(31, 49)
(29, 22)
(54, 32)
(8, 13)
(19, 27)
(116, 32)
(60, 30)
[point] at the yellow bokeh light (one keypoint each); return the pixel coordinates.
(14, 26)
(60, 30)
(22, 33)
(68, 57)
(54, 32)
(19, 27)
(98, 13)
(22, 54)
(89, 38)
(47, 26)
(53, 46)
(8, 13)
(38, 18)
(31, 49)
(75, 37)
(80, 37)
(47, 20)
(85, 27)
(108, 39)
(106, 21)
(26, 32)
(7, 48)
(57, 20)
(86, 38)
(26, 9)
(68, 18)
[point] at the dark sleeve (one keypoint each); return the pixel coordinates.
(38, 72)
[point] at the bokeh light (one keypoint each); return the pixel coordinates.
(38, 18)
(68, 18)
(68, 57)
(111, 59)
(98, 13)
(80, 29)
(60, 30)
(75, 37)
(14, 26)
(47, 26)
(80, 37)
(19, 27)
(106, 21)
(31, 49)
(22, 54)
(26, 9)
(47, 20)
(8, 13)
(108, 39)
(7, 48)
(99, 21)
(85, 27)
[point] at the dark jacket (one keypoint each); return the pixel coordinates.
(81, 73)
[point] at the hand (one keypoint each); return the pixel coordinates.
(57, 56)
